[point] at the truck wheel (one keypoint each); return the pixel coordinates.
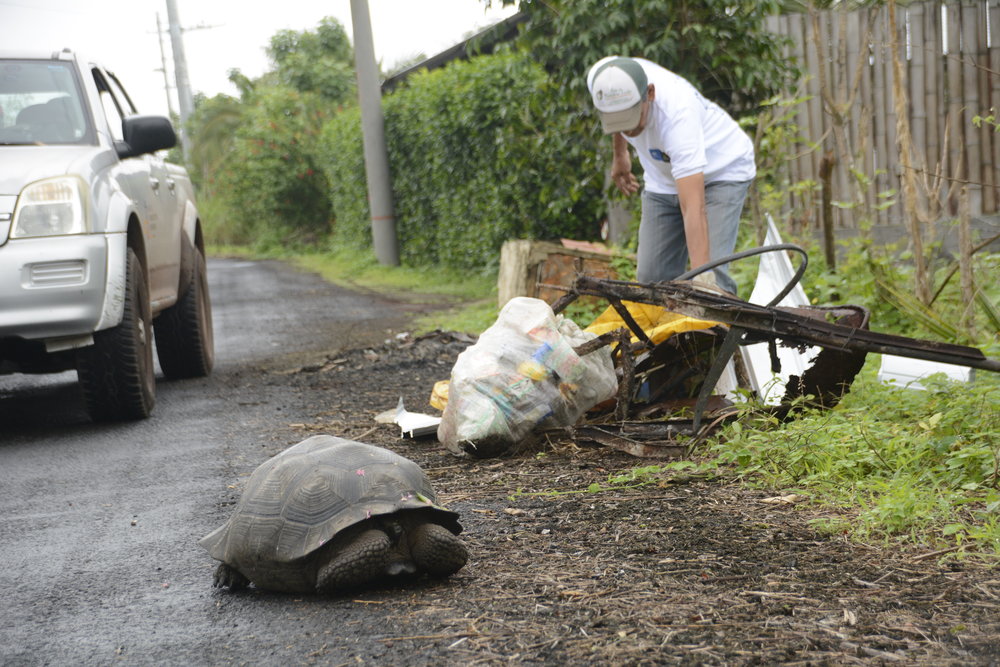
(116, 372)
(184, 339)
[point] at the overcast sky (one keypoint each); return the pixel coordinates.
(122, 34)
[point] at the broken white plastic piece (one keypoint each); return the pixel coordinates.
(774, 273)
(415, 424)
(908, 373)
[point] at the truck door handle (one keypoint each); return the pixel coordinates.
(154, 183)
(172, 184)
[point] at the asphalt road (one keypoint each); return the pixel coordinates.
(99, 561)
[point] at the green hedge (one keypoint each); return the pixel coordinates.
(480, 152)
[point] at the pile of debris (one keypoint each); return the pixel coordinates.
(656, 373)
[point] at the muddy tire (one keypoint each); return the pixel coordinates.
(116, 372)
(184, 340)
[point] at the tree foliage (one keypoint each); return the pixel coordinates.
(319, 62)
(256, 155)
(212, 126)
(721, 46)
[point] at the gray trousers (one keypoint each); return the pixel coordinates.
(663, 253)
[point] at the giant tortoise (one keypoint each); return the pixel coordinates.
(330, 514)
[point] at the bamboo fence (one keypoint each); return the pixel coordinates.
(950, 56)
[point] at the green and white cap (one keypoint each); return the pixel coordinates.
(618, 87)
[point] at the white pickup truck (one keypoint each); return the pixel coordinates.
(100, 242)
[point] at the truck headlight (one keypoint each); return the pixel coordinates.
(52, 207)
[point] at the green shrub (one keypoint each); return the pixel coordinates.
(273, 187)
(342, 158)
(478, 156)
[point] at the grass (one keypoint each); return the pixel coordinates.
(898, 465)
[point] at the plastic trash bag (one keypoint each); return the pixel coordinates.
(522, 375)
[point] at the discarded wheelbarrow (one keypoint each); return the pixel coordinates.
(845, 340)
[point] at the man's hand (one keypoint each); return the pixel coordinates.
(623, 177)
(621, 167)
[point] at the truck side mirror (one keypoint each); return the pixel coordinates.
(145, 134)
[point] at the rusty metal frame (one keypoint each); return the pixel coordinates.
(750, 323)
(773, 322)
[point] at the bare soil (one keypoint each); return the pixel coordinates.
(691, 572)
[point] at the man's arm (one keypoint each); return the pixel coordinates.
(691, 192)
(621, 166)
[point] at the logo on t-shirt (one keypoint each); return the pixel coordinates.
(659, 155)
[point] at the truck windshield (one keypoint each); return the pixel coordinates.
(40, 104)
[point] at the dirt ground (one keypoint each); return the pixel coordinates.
(691, 572)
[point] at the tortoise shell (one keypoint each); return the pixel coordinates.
(295, 502)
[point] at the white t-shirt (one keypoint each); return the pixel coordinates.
(686, 134)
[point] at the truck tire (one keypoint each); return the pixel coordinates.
(116, 372)
(184, 339)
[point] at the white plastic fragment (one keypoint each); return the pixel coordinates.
(411, 424)
(909, 373)
(415, 424)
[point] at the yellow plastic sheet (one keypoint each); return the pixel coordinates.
(658, 322)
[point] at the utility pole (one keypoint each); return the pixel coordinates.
(163, 66)
(384, 237)
(184, 98)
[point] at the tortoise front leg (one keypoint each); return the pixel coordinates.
(227, 576)
(360, 561)
(436, 550)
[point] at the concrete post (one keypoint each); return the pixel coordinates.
(384, 237)
(184, 98)
(163, 65)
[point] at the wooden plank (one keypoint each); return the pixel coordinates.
(953, 73)
(778, 25)
(802, 165)
(892, 156)
(933, 62)
(866, 102)
(789, 170)
(918, 95)
(816, 124)
(970, 103)
(986, 138)
(994, 79)
(880, 94)
(854, 127)
(836, 57)
(853, 57)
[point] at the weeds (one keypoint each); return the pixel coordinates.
(904, 465)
